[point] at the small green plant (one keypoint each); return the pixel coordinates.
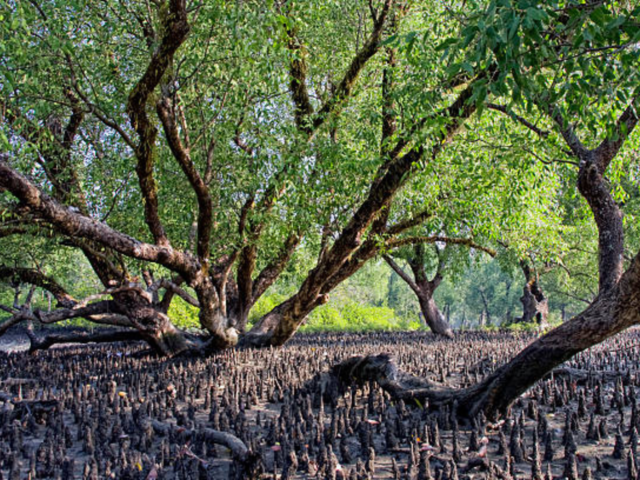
(355, 317)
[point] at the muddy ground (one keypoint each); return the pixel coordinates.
(116, 412)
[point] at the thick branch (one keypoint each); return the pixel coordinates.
(401, 386)
(403, 225)
(345, 87)
(15, 319)
(37, 278)
(80, 311)
(401, 273)
(55, 151)
(294, 310)
(298, 84)
(176, 29)
(567, 132)
(273, 270)
(74, 224)
(610, 146)
(181, 154)
(73, 126)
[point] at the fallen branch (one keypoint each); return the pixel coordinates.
(249, 464)
(466, 402)
(581, 376)
(21, 408)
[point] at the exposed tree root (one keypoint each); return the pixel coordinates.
(401, 386)
(465, 403)
(248, 462)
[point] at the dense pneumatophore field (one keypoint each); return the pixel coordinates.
(113, 412)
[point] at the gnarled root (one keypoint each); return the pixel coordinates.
(248, 463)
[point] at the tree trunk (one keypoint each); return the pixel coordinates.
(535, 305)
(611, 313)
(485, 316)
(616, 308)
(153, 324)
(432, 315)
(424, 289)
(165, 339)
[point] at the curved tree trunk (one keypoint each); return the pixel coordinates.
(433, 317)
(608, 315)
(616, 308)
(424, 289)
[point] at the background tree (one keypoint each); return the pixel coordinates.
(424, 287)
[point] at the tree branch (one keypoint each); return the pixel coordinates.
(298, 84)
(501, 108)
(176, 29)
(172, 287)
(102, 337)
(35, 277)
(15, 319)
(610, 146)
(401, 273)
(181, 154)
(567, 132)
(345, 87)
(271, 272)
(403, 225)
(396, 243)
(74, 224)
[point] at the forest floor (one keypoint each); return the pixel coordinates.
(85, 412)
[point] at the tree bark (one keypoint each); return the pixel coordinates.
(433, 317)
(424, 290)
(535, 305)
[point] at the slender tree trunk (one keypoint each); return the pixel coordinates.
(485, 316)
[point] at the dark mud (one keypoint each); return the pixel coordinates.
(95, 412)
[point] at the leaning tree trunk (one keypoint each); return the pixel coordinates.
(432, 315)
(611, 313)
(616, 308)
(424, 289)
